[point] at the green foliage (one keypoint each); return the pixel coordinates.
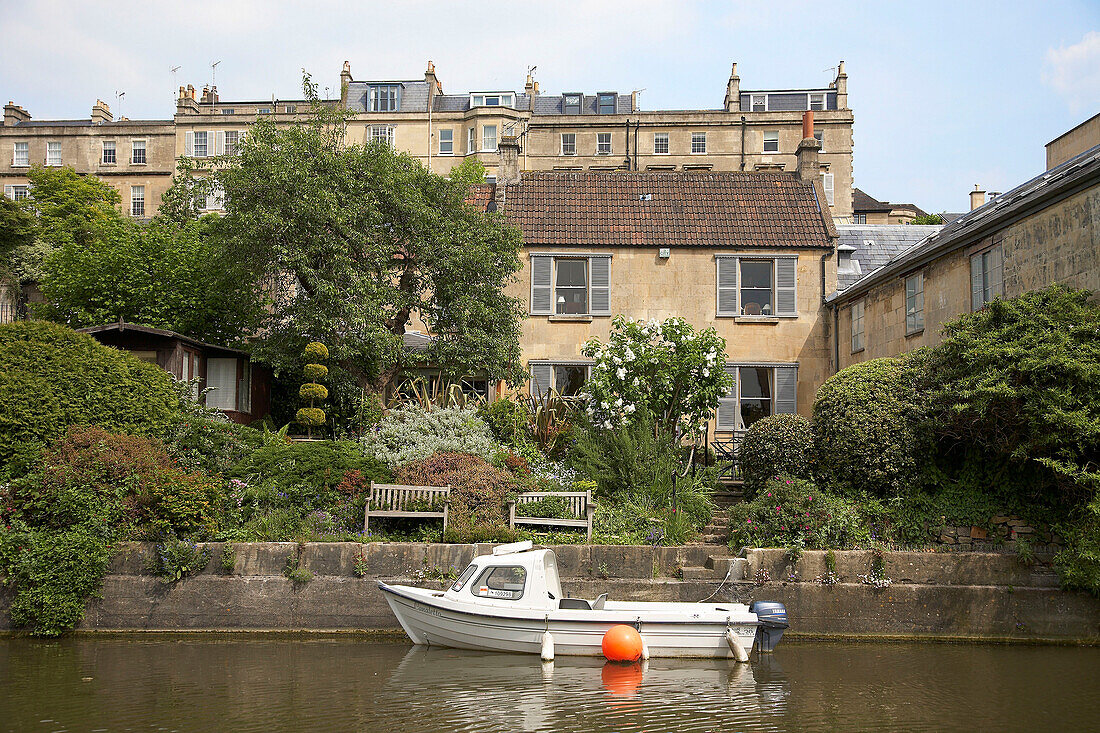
(185, 199)
(622, 460)
(667, 368)
(103, 266)
(318, 465)
(313, 392)
(52, 377)
(555, 507)
(212, 446)
(295, 573)
(774, 446)
(927, 219)
(315, 372)
(1079, 563)
(228, 558)
(479, 491)
(412, 433)
(794, 513)
(176, 558)
(508, 419)
(1017, 383)
(865, 428)
(17, 229)
(315, 351)
(371, 237)
(310, 417)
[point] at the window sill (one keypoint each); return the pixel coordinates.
(858, 351)
(444, 155)
(141, 164)
(571, 318)
(20, 165)
(918, 332)
(758, 319)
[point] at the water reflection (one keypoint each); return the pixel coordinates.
(205, 683)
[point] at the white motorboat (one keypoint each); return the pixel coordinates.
(511, 601)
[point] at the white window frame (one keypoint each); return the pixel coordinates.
(657, 137)
(770, 136)
(914, 314)
(18, 191)
(24, 160)
(391, 98)
(113, 150)
(752, 102)
(53, 146)
(571, 148)
(728, 279)
(810, 101)
(827, 184)
(819, 135)
(446, 136)
(493, 99)
(231, 146)
(699, 137)
(215, 200)
(565, 105)
(783, 386)
(385, 133)
(193, 144)
(987, 276)
(856, 314)
(263, 111)
(471, 140)
(603, 143)
(544, 278)
(137, 195)
(144, 152)
(485, 139)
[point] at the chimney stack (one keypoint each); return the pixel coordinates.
(345, 80)
(190, 91)
(101, 112)
(14, 114)
(531, 88)
(806, 154)
(508, 170)
(733, 91)
(841, 86)
(977, 197)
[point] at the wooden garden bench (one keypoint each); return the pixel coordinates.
(579, 502)
(392, 500)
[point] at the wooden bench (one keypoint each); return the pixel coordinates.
(579, 502)
(392, 500)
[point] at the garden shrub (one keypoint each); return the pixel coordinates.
(1079, 562)
(774, 446)
(52, 377)
(508, 419)
(174, 559)
(412, 433)
(479, 492)
(865, 425)
(790, 512)
(211, 446)
(555, 507)
(318, 465)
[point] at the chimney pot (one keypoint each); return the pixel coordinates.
(807, 124)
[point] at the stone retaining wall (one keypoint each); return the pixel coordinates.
(934, 595)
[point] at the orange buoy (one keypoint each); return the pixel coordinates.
(621, 679)
(622, 643)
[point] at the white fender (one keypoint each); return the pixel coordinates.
(645, 650)
(547, 647)
(739, 652)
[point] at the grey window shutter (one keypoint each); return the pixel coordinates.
(600, 273)
(9, 192)
(976, 283)
(542, 375)
(726, 420)
(727, 286)
(189, 144)
(541, 271)
(786, 390)
(786, 300)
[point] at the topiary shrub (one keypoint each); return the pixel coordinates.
(865, 427)
(412, 433)
(774, 446)
(313, 416)
(52, 377)
(479, 493)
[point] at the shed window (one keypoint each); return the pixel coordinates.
(221, 380)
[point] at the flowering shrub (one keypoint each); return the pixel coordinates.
(669, 368)
(794, 513)
(479, 492)
(412, 434)
(779, 445)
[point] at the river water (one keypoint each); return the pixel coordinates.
(341, 683)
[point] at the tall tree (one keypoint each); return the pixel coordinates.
(361, 242)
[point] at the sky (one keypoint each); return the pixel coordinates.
(945, 95)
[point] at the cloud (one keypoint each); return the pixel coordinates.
(1074, 72)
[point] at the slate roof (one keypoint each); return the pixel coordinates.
(461, 103)
(862, 202)
(414, 95)
(1076, 174)
(876, 244)
(555, 104)
(674, 209)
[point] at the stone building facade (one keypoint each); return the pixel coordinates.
(1043, 232)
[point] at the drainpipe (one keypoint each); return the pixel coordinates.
(637, 124)
(836, 315)
(430, 105)
(742, 142)
(627, 161)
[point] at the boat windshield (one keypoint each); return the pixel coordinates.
(464, 578)
(503, 582)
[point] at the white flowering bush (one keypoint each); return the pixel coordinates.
(412, 433)
(667, 367)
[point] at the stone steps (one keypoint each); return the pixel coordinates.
(717, 568)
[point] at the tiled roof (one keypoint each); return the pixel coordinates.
(862, 202)
(1024, 200)
(877, 244)
(658, 209)
(480, 195)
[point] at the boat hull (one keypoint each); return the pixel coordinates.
(429, 621)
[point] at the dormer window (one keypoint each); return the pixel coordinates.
(606, 103)
(493, 100)
(385, 97)
(759, 102)
(817, 101)
(571, 104)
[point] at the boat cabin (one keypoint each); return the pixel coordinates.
(513, 576)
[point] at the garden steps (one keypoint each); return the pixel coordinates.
(717, 530)
(717, 568)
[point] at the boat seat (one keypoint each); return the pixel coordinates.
(597, 605)
(575, 604)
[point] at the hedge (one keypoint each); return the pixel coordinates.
(779, 445)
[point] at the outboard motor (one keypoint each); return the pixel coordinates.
(773, 620)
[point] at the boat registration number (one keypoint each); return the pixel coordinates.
(493, 593)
